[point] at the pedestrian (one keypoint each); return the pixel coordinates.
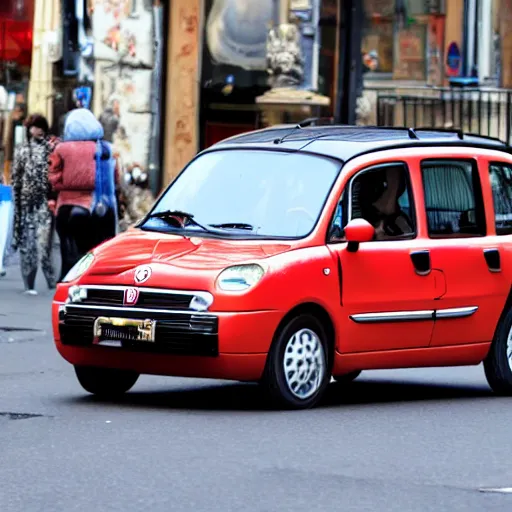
(32, 196)
(83, 172)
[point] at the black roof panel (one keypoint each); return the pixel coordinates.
(355, 140)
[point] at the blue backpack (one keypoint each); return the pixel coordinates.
(104, 193)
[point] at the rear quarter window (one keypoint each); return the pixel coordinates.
(453, 198)
(500, 175)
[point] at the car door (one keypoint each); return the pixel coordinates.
(463, 246)
(388, 289)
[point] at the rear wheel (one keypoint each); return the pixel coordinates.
(297, 371)
(498, 363)
(105, 382)
(347, 378)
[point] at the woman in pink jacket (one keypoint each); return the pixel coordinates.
(84, 220)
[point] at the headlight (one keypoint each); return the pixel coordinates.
(79, 269)
(239, 277)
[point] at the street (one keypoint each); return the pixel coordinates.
(410, 440)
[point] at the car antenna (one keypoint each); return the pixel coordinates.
(303, 124)
(412, 134)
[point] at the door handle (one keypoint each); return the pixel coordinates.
(421, 262)
(493, 260)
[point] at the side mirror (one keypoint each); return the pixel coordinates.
(358, 231)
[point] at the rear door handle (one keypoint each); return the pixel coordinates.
(421, 262)
(493, 260)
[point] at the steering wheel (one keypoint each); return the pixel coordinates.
(302, 210)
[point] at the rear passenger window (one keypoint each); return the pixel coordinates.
(501, 183)
(453, 198)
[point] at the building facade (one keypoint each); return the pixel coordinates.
(170, 77)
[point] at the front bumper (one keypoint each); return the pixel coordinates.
(210, 345)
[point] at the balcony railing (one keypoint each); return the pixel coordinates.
(480, 111)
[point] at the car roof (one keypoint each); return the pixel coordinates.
(357, 140)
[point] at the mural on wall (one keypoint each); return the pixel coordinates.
(124, 54)
(123, 30)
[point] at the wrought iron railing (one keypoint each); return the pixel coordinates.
(480, 111)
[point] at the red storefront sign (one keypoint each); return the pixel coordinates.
(16, 31)
(16, 41)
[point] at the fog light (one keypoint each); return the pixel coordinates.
(77, 294)
(201, 302)
(62, 313)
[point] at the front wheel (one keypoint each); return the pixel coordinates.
(105, 382)
(297, 370)
(498, 363)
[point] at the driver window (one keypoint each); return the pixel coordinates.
(382, 196)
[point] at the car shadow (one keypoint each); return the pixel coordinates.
(250, 397)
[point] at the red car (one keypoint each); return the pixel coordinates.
(291, 255)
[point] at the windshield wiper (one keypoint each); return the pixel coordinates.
(169, 215)
(233, 225)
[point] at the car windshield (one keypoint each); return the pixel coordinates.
(247, 193)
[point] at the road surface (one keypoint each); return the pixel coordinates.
(411, 440)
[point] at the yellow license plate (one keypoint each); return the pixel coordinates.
(109, 329)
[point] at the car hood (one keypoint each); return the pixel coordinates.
(135, 247)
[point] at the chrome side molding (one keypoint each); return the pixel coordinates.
(393, 316)
(414, 316)
(455, 312)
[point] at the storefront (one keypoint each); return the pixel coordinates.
(420, 42)
(238, 65)
(106, 55)
(406, 37)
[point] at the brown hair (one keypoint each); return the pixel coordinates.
(37, 120)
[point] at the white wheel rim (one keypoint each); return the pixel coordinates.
(509, 349)
(304, 363)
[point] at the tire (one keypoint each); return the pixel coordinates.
(347, 378)
(105, 382)
(497, 364)
(296, 388)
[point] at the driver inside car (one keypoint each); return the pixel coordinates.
(379, 195)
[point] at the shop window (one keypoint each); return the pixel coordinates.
(378, 32)
(394, 35)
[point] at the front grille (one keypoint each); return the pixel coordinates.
(147, 299)
(178, 334)
(104, 297)
(164, 300)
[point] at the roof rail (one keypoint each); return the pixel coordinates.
(456, 131)
(488, 137)
(461, 134)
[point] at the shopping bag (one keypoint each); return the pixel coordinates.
(6, 224)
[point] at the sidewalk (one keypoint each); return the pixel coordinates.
(24, 317)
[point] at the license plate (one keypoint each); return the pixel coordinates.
(113, 332)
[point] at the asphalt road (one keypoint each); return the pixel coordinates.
(411, 440)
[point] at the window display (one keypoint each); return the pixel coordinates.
(395, 32)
